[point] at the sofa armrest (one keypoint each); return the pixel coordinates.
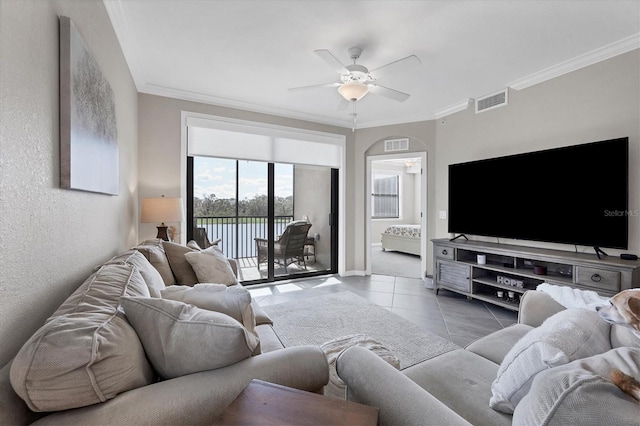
(372, 381)
(537, 306)
(200, 398)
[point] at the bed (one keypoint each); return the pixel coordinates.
(402, 238)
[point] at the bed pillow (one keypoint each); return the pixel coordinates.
(182, 270)
(181, 339)
(564, 337)
(86, 352)
(211, 266)
(233, 301)
(580, 392)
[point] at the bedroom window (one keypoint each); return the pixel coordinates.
(385, 199)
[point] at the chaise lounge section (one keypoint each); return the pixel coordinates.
(456, 387)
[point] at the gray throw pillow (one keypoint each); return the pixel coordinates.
(211, 266)
(580, 393)
(181, 339)
(182, 269)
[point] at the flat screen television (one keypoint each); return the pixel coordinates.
(573, 195)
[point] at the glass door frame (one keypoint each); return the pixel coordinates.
(271, 277)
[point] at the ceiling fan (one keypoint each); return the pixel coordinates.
(356, 81)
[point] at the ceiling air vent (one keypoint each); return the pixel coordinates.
(391, 145)
(492, 101)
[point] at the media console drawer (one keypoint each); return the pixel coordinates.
(598, 278)
(444, 252)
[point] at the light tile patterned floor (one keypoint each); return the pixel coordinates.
(449, 314)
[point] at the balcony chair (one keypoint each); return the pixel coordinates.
(287, 249)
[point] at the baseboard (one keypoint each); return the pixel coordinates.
(354, 273)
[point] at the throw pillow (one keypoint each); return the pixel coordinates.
(153, 250)
(580, 393)
(182, 270)
(211, 266)
(192, 244)
(181, 339)
(86, 352)
(233, 301)
(151, 276)
(564, 337)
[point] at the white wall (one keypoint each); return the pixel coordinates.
(52, 238)
(598, 102)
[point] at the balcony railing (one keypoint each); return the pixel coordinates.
(237, 233)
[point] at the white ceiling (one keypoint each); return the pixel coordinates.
(247, 54)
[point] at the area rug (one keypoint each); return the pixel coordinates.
(318, 319)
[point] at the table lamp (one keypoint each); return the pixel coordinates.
(162, 209)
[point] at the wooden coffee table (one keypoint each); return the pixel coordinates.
(264, 403)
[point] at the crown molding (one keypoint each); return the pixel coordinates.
(451, 109)
(598, 55)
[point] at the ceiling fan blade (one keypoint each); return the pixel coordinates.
(313, 86)
(404, 63)
(396, 95)
(333, 62)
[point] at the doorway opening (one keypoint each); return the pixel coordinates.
(396, 237)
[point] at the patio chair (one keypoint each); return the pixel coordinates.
(289, 248)
(201, 238)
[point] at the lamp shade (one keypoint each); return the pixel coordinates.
(353, 91)
(162, 209)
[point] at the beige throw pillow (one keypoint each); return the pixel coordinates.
(153, 250)
(86, 352)
(151, 276)
(211, 266)
(182, 270)
(181, 339)
(233, 301)
(564, 337)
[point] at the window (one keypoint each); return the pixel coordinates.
(385, 198)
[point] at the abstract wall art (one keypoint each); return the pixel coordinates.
(88, 131)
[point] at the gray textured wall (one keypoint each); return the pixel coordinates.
(52, 238)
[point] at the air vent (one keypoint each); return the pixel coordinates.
(492, 101)
(391, 145)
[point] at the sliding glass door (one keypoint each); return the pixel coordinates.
(273, 218)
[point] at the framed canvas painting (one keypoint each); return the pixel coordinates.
(88, 131)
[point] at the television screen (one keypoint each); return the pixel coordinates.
(573, 195)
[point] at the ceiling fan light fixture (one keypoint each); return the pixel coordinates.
(353, 91)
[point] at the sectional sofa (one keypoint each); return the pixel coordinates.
(551, 368)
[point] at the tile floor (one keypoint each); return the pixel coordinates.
(449, 314)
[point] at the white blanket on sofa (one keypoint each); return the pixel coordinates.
(573, 297)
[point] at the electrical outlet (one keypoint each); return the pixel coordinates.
(442, 214)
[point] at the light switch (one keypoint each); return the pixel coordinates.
(442, 214)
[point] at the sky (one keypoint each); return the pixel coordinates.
(218, 176)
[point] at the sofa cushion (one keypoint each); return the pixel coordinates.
(182, 269)
(182, 339)
(153, 250)
(233, 301)
(497, 345)
(580, 393)
(86, 352)
(211, 266)
(151, 276)
(564, 337)
(462, 381)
